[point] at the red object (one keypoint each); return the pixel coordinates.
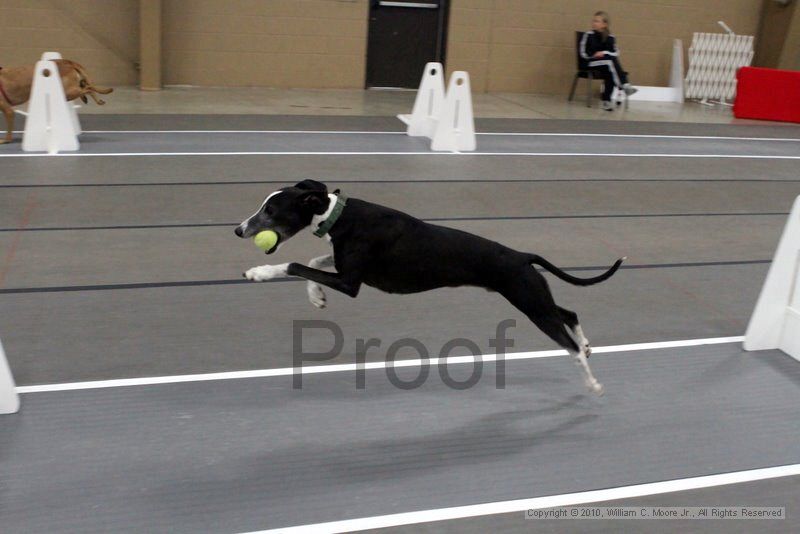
(767, 94)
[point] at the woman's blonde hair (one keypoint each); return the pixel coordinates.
(603, 15)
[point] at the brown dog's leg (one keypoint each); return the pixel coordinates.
(98, 101)
(8, 111)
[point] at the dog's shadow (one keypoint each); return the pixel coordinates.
(490, 437)
(282, 477)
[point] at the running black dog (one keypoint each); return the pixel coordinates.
(397, 253)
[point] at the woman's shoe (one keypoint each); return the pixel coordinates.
(607, 105)
(629, 89)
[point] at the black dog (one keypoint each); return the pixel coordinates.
(397, 253)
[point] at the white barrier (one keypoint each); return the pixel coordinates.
(50, 126)
(775, 323)
(672, 93)
(428, 103)
(9, 400)
(456, 129)
(714, 59)
(73, 108)
(446, 118)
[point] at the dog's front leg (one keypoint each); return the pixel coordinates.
(348, 283)
(266, 272)
(315, 293)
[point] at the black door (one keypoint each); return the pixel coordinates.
(403, 36)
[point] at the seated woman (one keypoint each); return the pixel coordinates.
(599, 48)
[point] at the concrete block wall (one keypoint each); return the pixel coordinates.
(100, 34)
(506, 45)
(529, 45)
(274, 43)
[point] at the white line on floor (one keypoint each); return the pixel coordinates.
(287, 371)
(643, 136)
(512, 134)
(299, 153)
(538, 503)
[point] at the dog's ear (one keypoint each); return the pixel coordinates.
(314, 201)
(312, 185)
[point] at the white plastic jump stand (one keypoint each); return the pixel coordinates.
(49, 126)
(428, 103)
(456, 129)
(73, 108)
(775, 323)
(9, 400)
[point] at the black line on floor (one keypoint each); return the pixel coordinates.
(422, 182)
(433, 219)
(196, 283)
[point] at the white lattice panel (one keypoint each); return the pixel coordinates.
(714, 59)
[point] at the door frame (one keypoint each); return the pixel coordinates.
(441, 38)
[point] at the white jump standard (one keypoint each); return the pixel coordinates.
(9, 400)
(775, 323)
(428, 104)
(446, 118)
(52, 124)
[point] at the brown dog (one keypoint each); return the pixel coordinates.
(16, 82)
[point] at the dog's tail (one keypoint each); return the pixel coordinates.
(538, 260)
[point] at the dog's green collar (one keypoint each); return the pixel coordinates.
(328, 223)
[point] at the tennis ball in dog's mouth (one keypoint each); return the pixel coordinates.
(266, 240)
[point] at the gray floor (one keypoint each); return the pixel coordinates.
(106, 141)
(119, 267)
(254, 453)
(770, 493)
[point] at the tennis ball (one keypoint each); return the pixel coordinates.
(266, 240)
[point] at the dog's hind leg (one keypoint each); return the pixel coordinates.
(8, 111)
(571, 319)
(315, 293)
(559, 332)
(90, 92)
(531, 295)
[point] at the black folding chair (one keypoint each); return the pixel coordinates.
(583, 72)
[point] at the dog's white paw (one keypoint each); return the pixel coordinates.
(265, 272)
(316, 295)
(596, 387)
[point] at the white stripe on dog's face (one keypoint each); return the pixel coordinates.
(265, 203)
(243, 226)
